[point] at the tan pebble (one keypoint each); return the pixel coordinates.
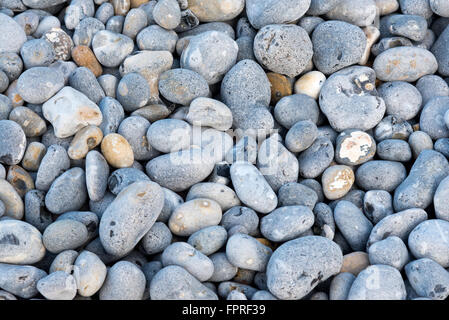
(33, 156)
(138, 3)
(310, 84)
(121, 7)
(280, 86)
(84, 57)
(337, 181)
(85, 140)
(194, 215)
(20, 179)
(117, 151)
(355, 262)
(153, 112)
(267, 243)
(216, 10)
(12, 200)
(372, 35)
(385, 7)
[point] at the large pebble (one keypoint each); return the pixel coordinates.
(216, 10)
(89, 273)
(380, 175)
(299, 265)
(124, 281)
(130, 216)
(285, 49)
(20, 243)
(20, 280)
(12, 142)
(404, 64)
(428, 279)
(111, 48)
(12, 36)
(418, 189)
(58, 285)
(37, 85)
(65, 234)
(69, 111)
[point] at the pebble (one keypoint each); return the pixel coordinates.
(404, 64)
(392, 252)
(216, 10)
(184, 255)
(12, 142)
(64, 234)
(399, 224)
(390, 285)
(246, 252)
(167, 14)
(67, 192)
(13, 36)
(20, 280)
(428, 278)
(123, 224)
(315, 160)
(415, 191)
(354, 147)
(429, 240)
(431, 86)
(392, 127)
(347, 92)
(124, 281)
(117, 151)
(175, 283)
(299, 265)
(337, 181)
(358, 12)
(380, 175)
(156, 239)
(402, 99)
(377, 204)
(340, 286)
(39, 84)
(268, 12)
(294, 47)
(111, 48)
(252, 188)
(169, 135)
(58, 285)
(432, 118)
(394, 150)
(209, 113)
(37, 53)
(286, 223)
(221, 55)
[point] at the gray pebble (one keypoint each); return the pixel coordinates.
(175, 283)
(358, 12)
(418, 7)
(349, 99)
(89, 273)
(262, 13)
(64, 261)
(113, 114)
(83, 80)
(182, 86)
(298, 266)
(390, 251)
(394, 150)
(35, 212)
(37, 53)
(156, 239)
(226, 287)
(184, 255)
(58, 285)
(108, 83)
(169, 135)
(67, 192)
(377, 204)
(413, 27)
(124, 281)
(340, 286)
(20, 280)
(13, 36)
(178, 171)
(389, 284)
(97, 172)
(432, 118)
(236, 295)
(399, 224)
(53, 164)
(314, 160)
(220, 58)
(428, 278)
(336, 45)
(431, 86)
(89, 219)
(167, 14)
(157, 38)
(241, 216)
(150, 269)
(39, 84)
(65, 234)
(301, 136)
(297, 194)
(279, 47)
(418, 189)
(21, 243)
(111, 48)
(353, 224)
(122, 178)
(402, 99)
(218, 192)
(130, 216)
(286, 223)
(115, 24)
(380, 175)
(392, 127)
(223, 269)
(246, 252)
(419, 141)
(12, 142)
(133, 92)
(439, 7)
(429, 239)
(252, 188)
(135, 20)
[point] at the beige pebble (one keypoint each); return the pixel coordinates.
(11, 199)
(33, 156)
(310, 84)
(216, 10)
(337, 181)
(355, 262)
(372, 35)
(385, 7)
(117, 151)
(138, 3)
(194, 215)
(153, 112)
(20, 179)
(85, 140)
